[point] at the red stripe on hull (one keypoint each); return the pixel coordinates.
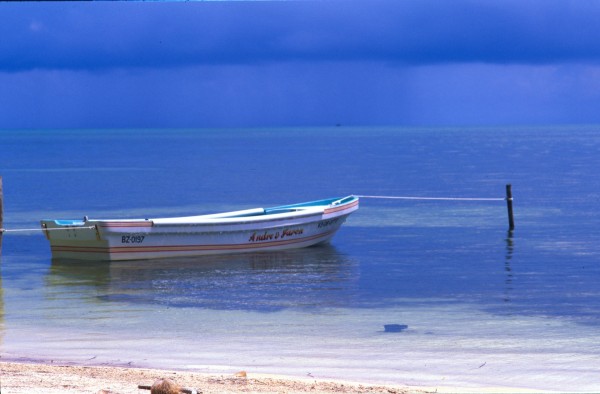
(185, 248)
(341, 207)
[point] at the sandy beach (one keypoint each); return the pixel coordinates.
(54, 379)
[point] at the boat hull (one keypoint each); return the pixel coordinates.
(296, 226)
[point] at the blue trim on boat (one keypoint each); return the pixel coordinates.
(327, 201)
(69, 222)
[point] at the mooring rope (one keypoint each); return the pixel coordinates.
(434, 198)
(4, 230)
(16, 230)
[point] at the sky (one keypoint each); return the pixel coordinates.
(299, 63)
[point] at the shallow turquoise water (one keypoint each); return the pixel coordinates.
(482, 306)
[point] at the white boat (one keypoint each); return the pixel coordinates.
(260, 229)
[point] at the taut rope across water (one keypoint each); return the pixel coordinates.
(433, 198)
(508, 199)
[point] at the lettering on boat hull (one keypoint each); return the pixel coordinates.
(132, 239)
(328, 222)
(271, 236)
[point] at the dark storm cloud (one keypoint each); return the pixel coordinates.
(296, 63)
(122, 35)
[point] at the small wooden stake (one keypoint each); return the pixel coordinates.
(509, 206)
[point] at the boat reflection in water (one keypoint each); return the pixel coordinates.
(318, 276)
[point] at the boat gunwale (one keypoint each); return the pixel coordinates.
(240, 219)
(298, 212)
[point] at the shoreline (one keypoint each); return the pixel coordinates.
(26, 377)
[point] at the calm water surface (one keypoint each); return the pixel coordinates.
(483, 307)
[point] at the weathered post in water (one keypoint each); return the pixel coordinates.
(509, 206)
(1, 214)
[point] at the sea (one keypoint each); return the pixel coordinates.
(416, 293)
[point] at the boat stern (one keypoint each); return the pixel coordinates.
(68, 238)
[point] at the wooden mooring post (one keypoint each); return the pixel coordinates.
(509, 206)
(1, 214)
